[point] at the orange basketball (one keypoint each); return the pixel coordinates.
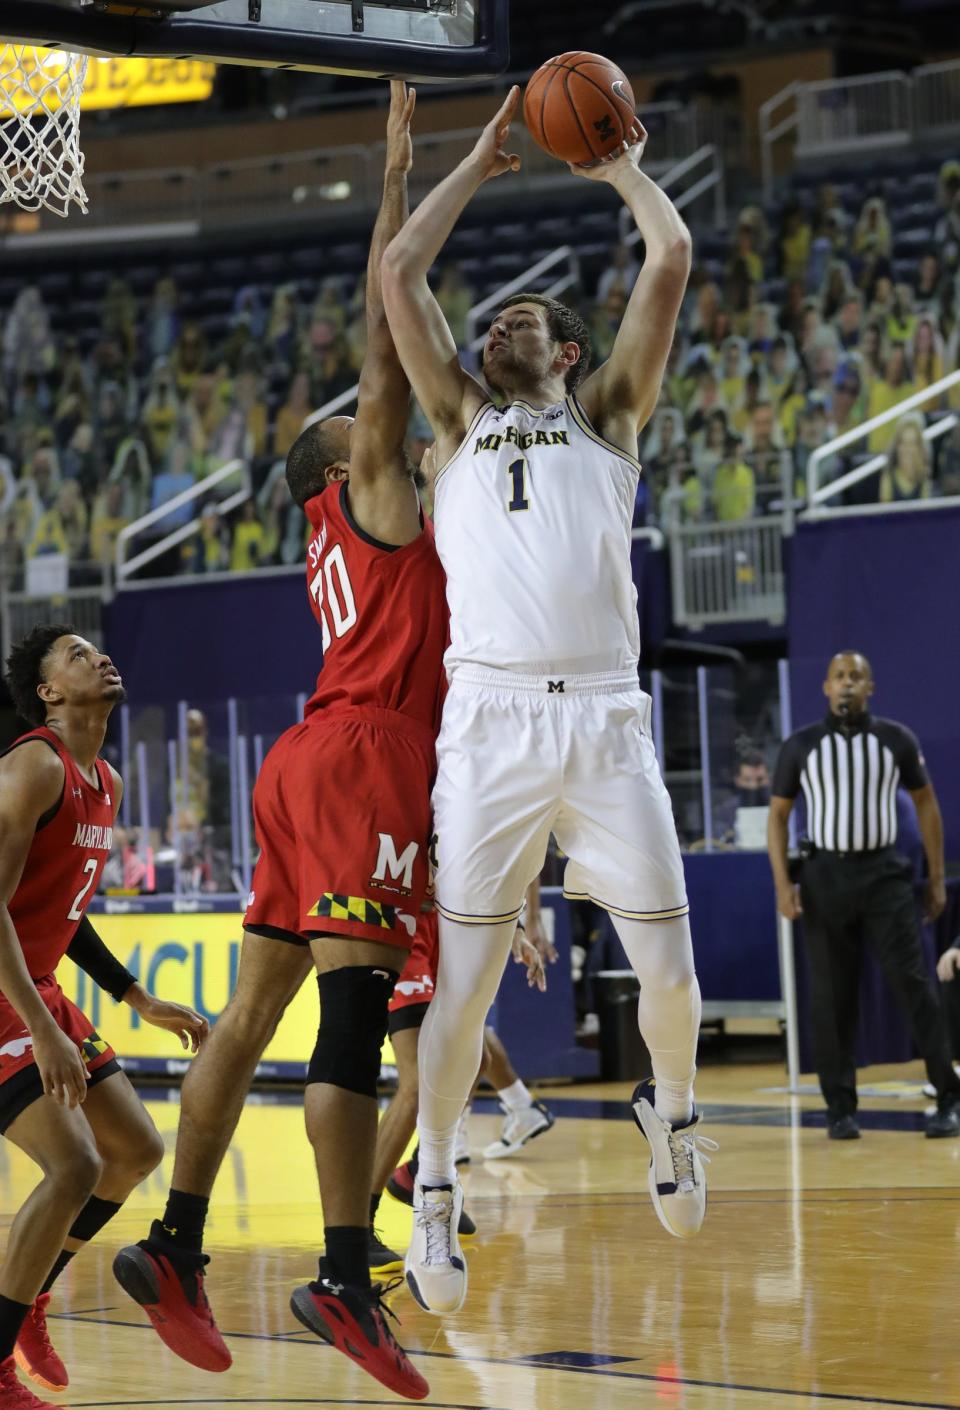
(579, 107)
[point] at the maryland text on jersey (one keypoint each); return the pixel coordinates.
(92, 835)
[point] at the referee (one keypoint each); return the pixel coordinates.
(855, 888)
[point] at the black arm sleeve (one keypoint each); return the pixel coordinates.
(786, 776)
(88, 951)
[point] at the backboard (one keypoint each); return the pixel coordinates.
(414, 39)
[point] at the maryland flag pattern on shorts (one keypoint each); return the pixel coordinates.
(337, 907)
(93, 1047)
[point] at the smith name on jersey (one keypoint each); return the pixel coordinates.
(533, 516)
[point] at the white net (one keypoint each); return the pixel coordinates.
(41, 164)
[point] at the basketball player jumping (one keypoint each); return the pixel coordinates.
(63, 1099)
(544, 727)
(342, 813)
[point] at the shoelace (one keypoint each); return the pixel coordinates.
(683, 1146)
(378, 1296)
(434, 1218)
(38, 1316)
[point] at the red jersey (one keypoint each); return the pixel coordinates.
(63, 867)
(382, 611)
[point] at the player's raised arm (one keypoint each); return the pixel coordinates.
(448, 395)
(31, 783)
(383, 400)
(621, 395)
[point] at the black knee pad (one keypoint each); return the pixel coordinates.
(353, 1025)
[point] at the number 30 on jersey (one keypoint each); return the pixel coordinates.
(331, 591)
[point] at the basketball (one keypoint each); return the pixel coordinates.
(579, 107)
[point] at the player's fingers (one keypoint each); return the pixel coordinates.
(398, 92)
(411, 104)
(508, 107)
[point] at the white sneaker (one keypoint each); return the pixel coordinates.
(677, 1181)
(435, 1267)
(519, 1128)
(461, 1150)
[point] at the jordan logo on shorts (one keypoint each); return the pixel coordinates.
(555, 687)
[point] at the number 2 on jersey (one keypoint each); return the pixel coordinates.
(340, 600)
(517, 470)
(89, 870)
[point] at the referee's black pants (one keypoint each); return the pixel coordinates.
(850, 900)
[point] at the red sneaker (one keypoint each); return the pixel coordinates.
(14, 1395)
(34, 1352)
(354, 1321)
(176, 1304)
(400, 1184)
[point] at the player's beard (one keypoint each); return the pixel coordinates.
(116, 694)
(507, 374)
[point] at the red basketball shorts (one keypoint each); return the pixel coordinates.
(342, 815)
(419, 978)
(20, 1083)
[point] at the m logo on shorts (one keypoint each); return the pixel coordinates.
(555, 688)
(399, 869)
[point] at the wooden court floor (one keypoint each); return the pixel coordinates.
(826, 1275)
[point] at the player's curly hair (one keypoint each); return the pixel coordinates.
(25, 669)
(565, 326)
(307, 460)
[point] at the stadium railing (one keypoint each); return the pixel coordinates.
(837, 117)
(729, 572)
(77, 592)
(819, 495)
(197, 493)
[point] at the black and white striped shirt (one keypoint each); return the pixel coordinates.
(849, 771)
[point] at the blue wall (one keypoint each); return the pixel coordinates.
(252, 635)
(889, 586)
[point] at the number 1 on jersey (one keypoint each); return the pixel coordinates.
(518, 470)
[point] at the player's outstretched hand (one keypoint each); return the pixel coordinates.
(613, 167)
(62, 1069)
(189, 1027)
(526, 953)
(489, 152)
(399, 142)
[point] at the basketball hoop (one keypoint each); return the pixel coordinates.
(41, 163)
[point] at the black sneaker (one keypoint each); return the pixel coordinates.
(354, 1320)
(400, 1186)
(945, 1121)
(380, 1258)
(843, 1128)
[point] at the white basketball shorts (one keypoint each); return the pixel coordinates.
(522, 756)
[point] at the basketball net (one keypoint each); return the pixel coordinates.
(41, 163)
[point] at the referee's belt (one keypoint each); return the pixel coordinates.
(809, 850)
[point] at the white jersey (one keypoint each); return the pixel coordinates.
(533, 514)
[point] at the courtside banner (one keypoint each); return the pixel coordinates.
(190, 959)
